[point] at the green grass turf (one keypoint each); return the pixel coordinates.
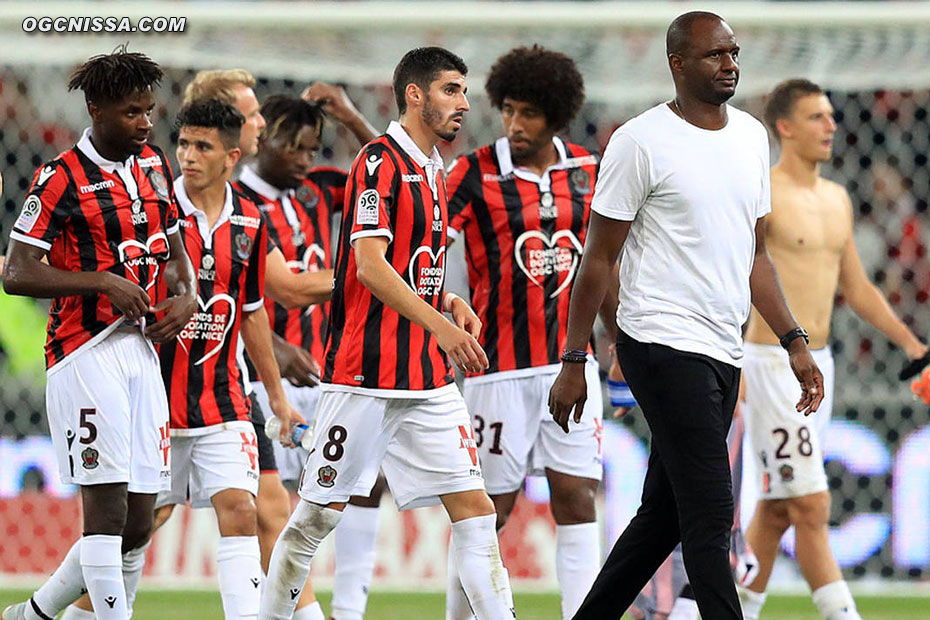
(205, 605)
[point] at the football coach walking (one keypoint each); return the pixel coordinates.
(683, 190)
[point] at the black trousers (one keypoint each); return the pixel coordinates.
(688, 401)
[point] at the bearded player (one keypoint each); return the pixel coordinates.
(522, 205)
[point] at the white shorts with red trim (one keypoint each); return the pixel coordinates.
(424, 446)
(108, 415)
(517, 436)
(204, 465)
(786, 445)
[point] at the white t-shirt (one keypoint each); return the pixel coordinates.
(694, 196)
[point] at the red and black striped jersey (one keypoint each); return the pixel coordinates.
(523, 239)
(394, 191)
(199, 367)
(93, 214)
(299, 224)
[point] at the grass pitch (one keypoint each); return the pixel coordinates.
(205, 605)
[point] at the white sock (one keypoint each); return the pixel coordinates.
(835, 602)
(133, 563)
(63, 588)
(102, 567)
(355, 540)
(239, 571)
(577, 562)
(478, 559)
(752, 602)
(313, 611)
(76, 613)
(290, 561)
(457, 607)
(684, 609)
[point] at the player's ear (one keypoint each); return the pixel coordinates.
(783, 127)
(233, 156)
(674, 63)
(93, 110)
(413, 94)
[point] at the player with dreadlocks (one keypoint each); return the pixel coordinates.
(105, 216)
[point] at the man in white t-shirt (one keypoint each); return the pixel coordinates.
(683, 190)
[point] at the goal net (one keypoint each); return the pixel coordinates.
(874, 58)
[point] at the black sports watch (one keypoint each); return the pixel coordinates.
(797, 332)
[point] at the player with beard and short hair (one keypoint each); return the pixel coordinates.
(522, 205)
(389, 398)
(810, 237)
(298, 200)
(104, 215)
(683, 191)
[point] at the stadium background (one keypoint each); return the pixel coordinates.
(874, 58)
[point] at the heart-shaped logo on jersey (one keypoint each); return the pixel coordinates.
(313, 260)
(133, 254)
(208, 325)
(426, 280)
(550, 257)
(307, 262)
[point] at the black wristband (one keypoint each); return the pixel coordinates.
(575, 356)
(797, 332)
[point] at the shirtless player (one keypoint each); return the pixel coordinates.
(810, 239)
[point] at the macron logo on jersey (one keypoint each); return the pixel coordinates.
(86, 189)
(148, 162)
(372, 163)
(44, 175)
(412, 178)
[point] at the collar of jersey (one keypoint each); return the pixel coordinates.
(87, 147)
(261, 186)
(400, 135)
(187, 209)
(502, 146)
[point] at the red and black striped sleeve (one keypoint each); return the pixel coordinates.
(373, 186)
(332, 181)
(172, 216)
(48, 205)
(255, 276)
(461, 183)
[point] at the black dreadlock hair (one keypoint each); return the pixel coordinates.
(108, 78)
(287, 115)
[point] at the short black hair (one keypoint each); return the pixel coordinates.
(109, 78)
(421, 66)
(678, 36)
(286, 115)
(780, 102)
(213, 114)
(547, 79)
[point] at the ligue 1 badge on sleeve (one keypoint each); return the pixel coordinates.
(243, 246)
